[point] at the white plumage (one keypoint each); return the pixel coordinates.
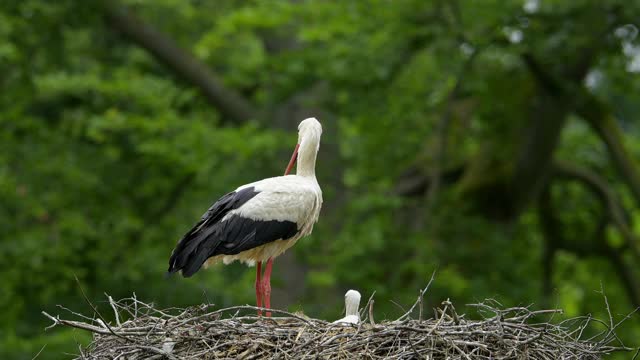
(285, 198)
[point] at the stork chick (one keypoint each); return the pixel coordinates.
(351, 305)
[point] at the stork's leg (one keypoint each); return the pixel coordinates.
(266, 286)
(259, 286)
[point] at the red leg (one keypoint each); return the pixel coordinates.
(259, 286)
(266, 286)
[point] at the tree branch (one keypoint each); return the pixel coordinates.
(617, 215)
(601, 189)
(548, 118)
(414, 182)
(601, 120)
(231, 105)
(533, 162)
(626, 275)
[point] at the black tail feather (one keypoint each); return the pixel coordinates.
(191, 253)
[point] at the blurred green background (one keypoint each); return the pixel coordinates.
(495, 141)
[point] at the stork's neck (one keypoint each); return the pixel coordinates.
(351, 308)
(307, 154)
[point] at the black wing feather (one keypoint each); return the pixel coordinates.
(210, 236)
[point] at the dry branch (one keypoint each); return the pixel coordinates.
(236, 332)
(234, 107)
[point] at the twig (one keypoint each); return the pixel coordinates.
(367, 306)
(75, 324)
(422, 292)
(104, 322)
(39, 352)
(115, 310)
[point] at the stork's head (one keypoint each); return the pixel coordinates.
(309, 132)
(309, 128)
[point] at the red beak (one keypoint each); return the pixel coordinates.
(294, 157)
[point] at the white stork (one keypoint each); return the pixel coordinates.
(258, 221)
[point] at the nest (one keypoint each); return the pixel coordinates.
(237, 332)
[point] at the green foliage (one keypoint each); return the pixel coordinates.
(107, 157)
